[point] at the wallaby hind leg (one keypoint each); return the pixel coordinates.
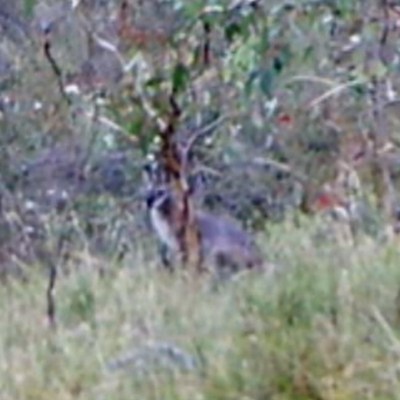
(224, 267)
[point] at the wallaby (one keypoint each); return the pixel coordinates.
(224, 245)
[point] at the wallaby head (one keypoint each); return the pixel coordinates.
(224, 245)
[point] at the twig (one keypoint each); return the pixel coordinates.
(281, 167)
(315, 79)
(203, 131)
(206, 170)
(53, 273)
(56, 69)
(206, 45)
(51, 304)
(386, 26)
(92, 141)
(151, 112)
(336, 90)
(101, 42)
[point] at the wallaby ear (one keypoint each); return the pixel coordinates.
(149, 182)
(192, 184)
(149, 197)
(149, 172)
(197, 183)
(151, 175)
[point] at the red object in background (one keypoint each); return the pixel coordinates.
(325, 201)
(284, 119)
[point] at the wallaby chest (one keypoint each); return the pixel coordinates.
(163, 228)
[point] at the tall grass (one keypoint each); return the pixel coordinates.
(324, 327)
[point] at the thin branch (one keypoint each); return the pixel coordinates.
(314, 79)
(336, 90)
(206, 45)
(269, 162)
(386, 26)
(56, 69)
(207, 170)
(197, 135)
(51, 286)
(51, 303)
(92, 141)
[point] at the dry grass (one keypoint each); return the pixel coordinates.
(323, 328)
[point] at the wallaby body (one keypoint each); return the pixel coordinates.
(224, 245)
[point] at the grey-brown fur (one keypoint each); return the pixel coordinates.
(224, 245)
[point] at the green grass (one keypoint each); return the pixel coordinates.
(325, 327)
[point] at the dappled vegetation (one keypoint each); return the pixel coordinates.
(326, 327)
(286, 112)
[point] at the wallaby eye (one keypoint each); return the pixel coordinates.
(160, 193)
(150, 199)
(154, 195)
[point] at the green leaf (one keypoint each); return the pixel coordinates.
(154, 82)
(344, 7)
(135, 128)
(28, 7)
(266, 81)
(378, 69)
(282, 59)
(264, 43)
(250, 81)
(180, 77)
(278, 64)
(232, 30)
(359, 90)
(308, 52)
(192, 8)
